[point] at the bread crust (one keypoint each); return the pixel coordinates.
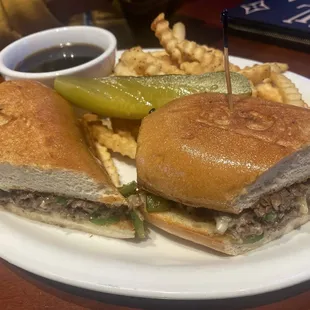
(185, 228)
(195, 151)
(38, 129)
(122, 230)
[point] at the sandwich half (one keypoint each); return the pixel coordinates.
(47, 172)
(232, 181)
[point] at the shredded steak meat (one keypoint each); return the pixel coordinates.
(47, 203)
(270, 213)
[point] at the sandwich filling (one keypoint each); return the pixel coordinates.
(75, 209)
(270, 213)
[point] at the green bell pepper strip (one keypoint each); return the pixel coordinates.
(270, 217)
(61, 200)
(128, 189)
(138, 224)
(157, 204)
(253, 238)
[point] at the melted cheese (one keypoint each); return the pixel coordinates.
(222, 224)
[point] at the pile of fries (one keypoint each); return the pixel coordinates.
(111, 135)
(179, 56)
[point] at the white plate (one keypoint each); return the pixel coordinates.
(162, 266)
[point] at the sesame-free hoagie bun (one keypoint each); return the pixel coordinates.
(240, 177)
(195, 151)
(43, 156)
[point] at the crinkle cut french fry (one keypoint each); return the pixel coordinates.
(199, 53)
(166, 38)
(91, 118)
(190, 56)
(107, 161)
(125, 145)
(126, 127)
(254, 90)
(257, 73)
(179, 31)
(144, 64)
(100, 152)
(163, 56)
(277, 67)
(121, 69)
(269, 92)
(289, 92)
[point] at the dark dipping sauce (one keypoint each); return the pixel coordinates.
(59, 58)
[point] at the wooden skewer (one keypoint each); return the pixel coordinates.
(224, 19)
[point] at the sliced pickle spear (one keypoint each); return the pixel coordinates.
(133, 97)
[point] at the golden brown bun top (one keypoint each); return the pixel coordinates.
(38, 129)
(195, 151)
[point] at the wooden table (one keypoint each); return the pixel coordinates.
(20, 290)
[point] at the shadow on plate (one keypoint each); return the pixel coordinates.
(87, 298)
